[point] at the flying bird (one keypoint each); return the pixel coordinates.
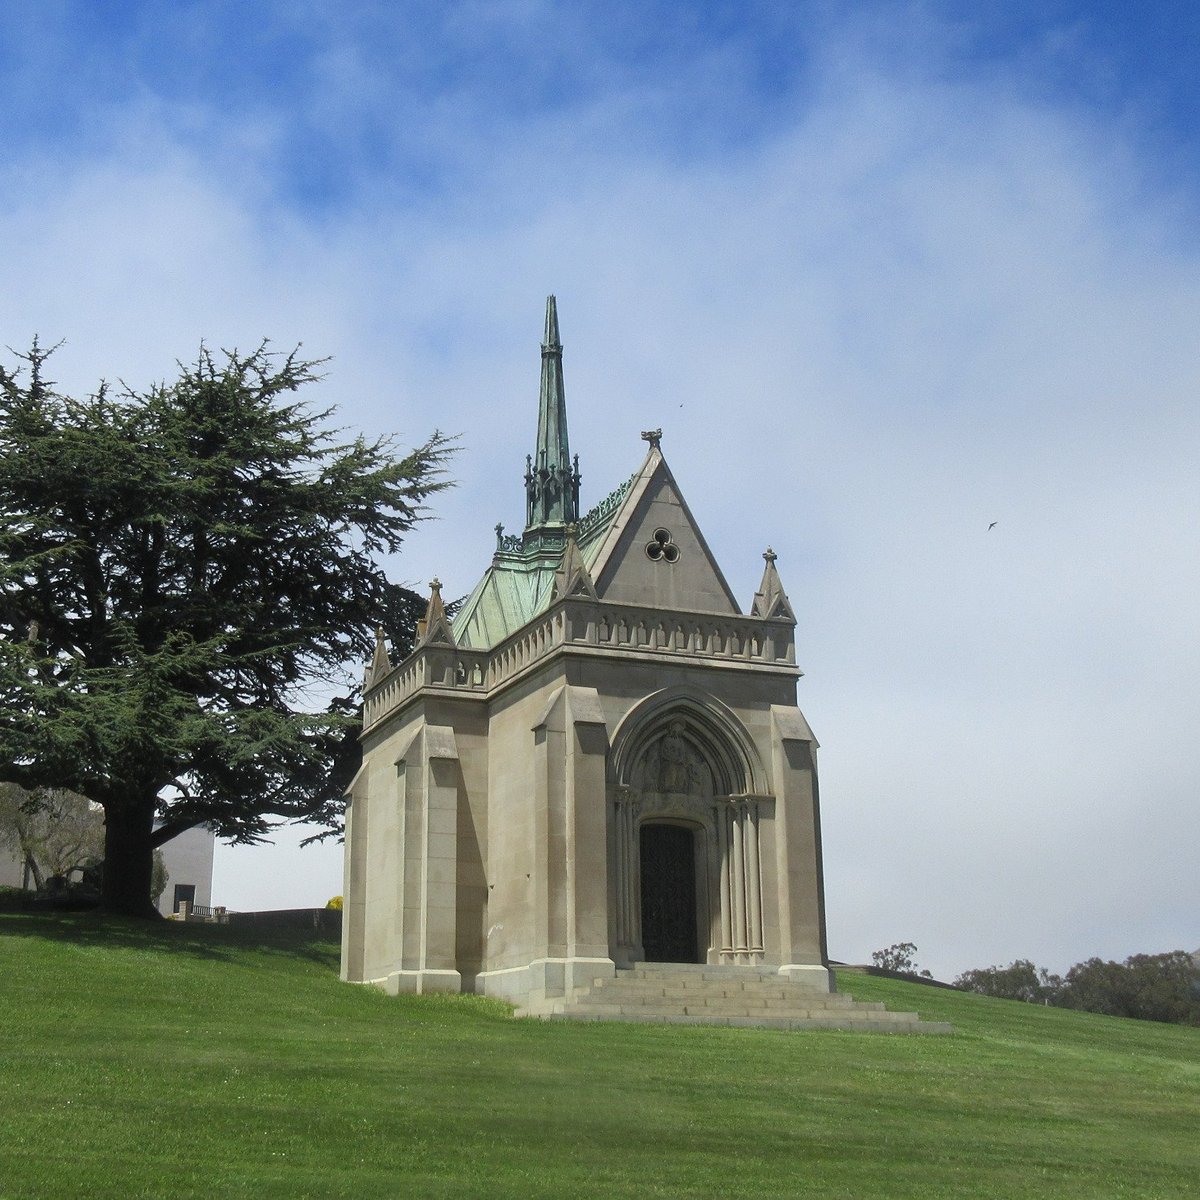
(992, 526)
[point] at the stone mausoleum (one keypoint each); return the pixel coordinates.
(597, 762)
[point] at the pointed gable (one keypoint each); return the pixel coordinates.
(653, 552)
(771, 600)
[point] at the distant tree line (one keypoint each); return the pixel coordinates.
(1151, 987)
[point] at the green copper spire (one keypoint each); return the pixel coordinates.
(551, 477)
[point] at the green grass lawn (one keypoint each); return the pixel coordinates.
(180, 1061)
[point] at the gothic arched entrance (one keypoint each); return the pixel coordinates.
(684, 862)
(669, 866)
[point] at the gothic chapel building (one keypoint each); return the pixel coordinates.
(597, 762)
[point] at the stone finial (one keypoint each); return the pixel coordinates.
(550, 339)
(770, 555)
(653, 436)
(436, 625)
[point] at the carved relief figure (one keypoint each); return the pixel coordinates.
(673, 773)
(673, 766)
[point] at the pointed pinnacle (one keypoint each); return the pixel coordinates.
(380, 662)
(550, 338)
(551, 489)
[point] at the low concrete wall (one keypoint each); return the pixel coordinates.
(323, 920)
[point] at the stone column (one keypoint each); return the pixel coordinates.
(735, 820)
(549, 944)
(801, 892)
(427, 863)
(626, 926)
(753, 879)
(737, 864)
(439, 900)
(721, 818)
(586, 834)
(570, 822)
(354, 882)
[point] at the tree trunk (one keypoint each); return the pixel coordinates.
(33, 871)
(128, 858)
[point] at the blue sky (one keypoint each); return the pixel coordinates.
(884, 273)
(399, 97)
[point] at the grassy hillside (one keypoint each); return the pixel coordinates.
(198, 1061)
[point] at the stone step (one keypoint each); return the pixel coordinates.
(693, 971)
(765, 996)
(736, 996)
(716, 979)
(726, 1009)
(759, 987)
(746, 1004)
(880, 1023)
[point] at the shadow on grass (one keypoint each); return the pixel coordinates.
(213, 942)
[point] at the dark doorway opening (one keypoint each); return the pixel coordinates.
(184, 891)
(668, 860)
